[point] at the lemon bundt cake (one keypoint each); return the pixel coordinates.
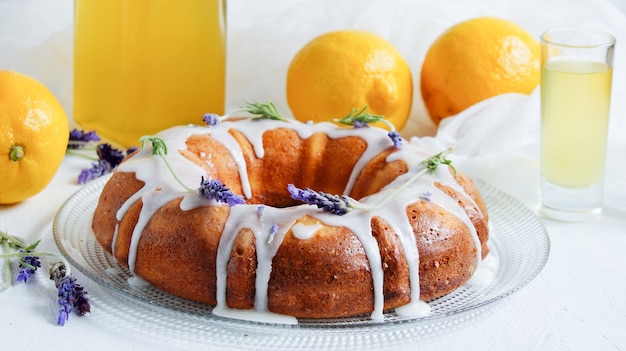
(292, 219)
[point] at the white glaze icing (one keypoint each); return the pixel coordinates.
(482, 277)
(160, 188)
(254, 315)
(137, 282)
(305, 231)
(414, 309)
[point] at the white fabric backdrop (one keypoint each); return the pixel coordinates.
(36, 36)
(496, 140)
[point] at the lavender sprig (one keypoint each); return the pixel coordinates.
(24, 255)
(209, 188)
(430, 165)
(260, 110)
(435, 161)
(8, 243)
(359, 124)
(71, 295)
(263, 111)
(109, 154)
(273, 231)
(339, 205)
(28, 265)
(80, 138)
(426, 196)
(211, 119)
(97, 170)
(342, 204)
(259, 210)
(395, 138)
(216, 190)
(159, 148)
(361, 119)
(107, 157)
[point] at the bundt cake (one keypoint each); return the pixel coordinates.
(243, 215)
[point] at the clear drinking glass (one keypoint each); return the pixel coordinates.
(576, 75)
(141, 66)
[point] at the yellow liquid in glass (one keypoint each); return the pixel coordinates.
(575, 100)
(141, 66)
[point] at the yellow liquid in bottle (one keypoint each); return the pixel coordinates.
(575, 100)
(141, 66)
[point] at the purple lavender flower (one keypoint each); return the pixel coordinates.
(98, 169)
(64, 312)
(426, 195)
(108, 158)
(81, 302)
(216, 190)
(338, 205)
(360, 119)
(360, 124)
(80, 138)
(72, 296)
(110, 154)
(395, 138)
(260, 210)
(28, 265)
(273, 231)
(211, 119)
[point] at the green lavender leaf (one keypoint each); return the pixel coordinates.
(159, 148)
(360, 116)
(263, 111)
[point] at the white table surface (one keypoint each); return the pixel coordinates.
(578, 301)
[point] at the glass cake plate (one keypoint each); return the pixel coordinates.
(519, 249)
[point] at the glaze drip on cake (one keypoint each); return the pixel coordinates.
(270, 225)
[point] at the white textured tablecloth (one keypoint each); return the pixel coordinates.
(578, 302)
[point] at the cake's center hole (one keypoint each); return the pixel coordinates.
(319, 162)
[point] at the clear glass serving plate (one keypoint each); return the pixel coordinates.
(519, 247)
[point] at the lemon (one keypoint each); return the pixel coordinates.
(341, 70)
(33, 136)
(475, 60)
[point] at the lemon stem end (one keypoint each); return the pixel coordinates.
(16, 153)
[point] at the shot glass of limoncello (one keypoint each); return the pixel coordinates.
(576, 79)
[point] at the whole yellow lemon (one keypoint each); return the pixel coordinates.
(475, 60)
(33, 136)
(341, 70)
